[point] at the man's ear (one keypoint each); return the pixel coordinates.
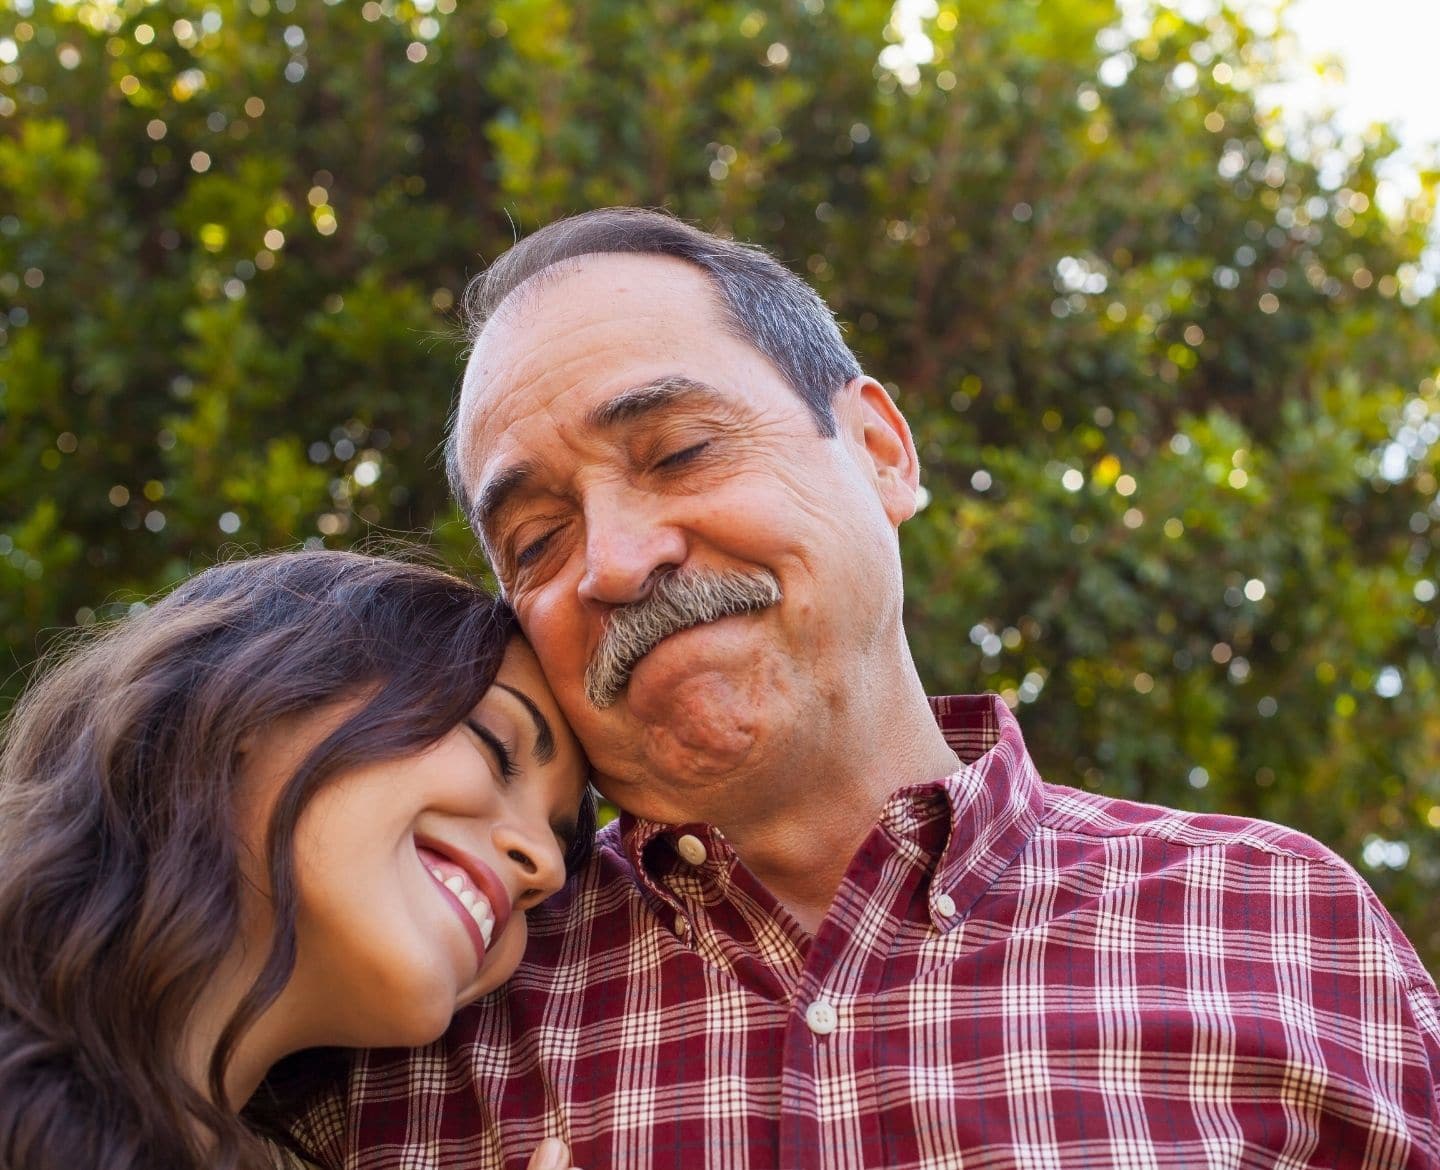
(877, 428)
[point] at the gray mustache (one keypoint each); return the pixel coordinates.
(679, 599)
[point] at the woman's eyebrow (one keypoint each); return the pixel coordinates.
(544, 736)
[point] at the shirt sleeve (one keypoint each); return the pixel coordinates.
(1422, 1003)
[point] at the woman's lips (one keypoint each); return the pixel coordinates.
(473, 891)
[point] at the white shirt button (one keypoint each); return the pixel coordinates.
(692, 849)
(821, 1018)
(945, 905)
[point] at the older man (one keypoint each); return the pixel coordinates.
(839, 924)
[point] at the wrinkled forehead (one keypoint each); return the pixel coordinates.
(564, 309)
(519, 315)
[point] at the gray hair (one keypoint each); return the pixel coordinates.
(680, 599)
(761, 301)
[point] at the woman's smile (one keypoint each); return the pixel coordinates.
(473, 891)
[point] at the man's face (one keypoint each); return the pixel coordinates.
(611, 430)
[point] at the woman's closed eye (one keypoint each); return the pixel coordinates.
(504, 757)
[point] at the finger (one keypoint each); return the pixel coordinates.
(551, 1154)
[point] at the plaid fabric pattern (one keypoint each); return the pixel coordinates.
(1012, 974)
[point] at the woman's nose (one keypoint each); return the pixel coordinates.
(532, 850)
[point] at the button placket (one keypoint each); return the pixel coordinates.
(821, 1017)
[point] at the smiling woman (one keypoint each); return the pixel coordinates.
(414, 873)
(302, 801)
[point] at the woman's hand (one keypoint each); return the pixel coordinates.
(551, 1154)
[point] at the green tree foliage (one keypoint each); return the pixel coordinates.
(1173, 372)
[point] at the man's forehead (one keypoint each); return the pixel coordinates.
(584, 291)
(578, 298)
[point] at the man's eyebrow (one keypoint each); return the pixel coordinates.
(498, 492)
(544, 734)
(635, 402)
(651, 396)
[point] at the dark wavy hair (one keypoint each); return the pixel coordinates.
(119, 873)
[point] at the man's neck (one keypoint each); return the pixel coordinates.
(800, 847)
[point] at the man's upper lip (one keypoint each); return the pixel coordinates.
(485, 878)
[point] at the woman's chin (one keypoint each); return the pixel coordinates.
(419, 1018)
(424, 1028)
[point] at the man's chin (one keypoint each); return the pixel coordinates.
(695, 705)
(660, 730)
(689, 748)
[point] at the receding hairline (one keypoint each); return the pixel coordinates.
(524, 293)
(533, 286)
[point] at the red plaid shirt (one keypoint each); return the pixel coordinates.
(1011, 973)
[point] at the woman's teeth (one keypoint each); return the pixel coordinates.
(472, 899)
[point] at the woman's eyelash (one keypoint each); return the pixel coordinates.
(508, 768)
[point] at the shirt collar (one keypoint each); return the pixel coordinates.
(994, 800)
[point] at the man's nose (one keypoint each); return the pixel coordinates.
(532, 851)
(628, 543)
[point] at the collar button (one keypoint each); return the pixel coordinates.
(692, 849)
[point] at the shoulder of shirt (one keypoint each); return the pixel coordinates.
(1075, 813)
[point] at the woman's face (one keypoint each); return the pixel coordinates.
(414, 874)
